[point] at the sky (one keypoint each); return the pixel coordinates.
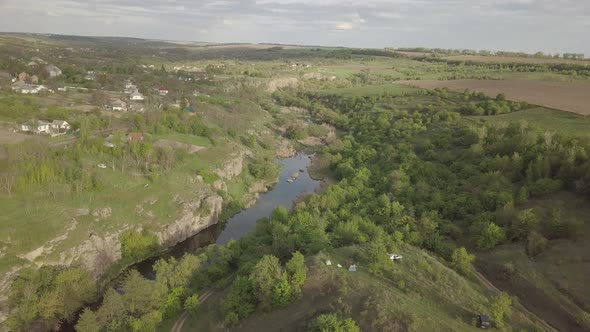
(551, 26)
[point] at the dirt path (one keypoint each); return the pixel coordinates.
(177, 327)
(487, 284)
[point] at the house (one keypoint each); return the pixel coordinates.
(60, 126)
(352, 268)
(37, 127)
(161, 90)
(90, 76)
(23, 76)
(135, 137)
(130, 87)
(34, 79)
(53, 71)
(483, 321)
(136, 96)
(119, 105)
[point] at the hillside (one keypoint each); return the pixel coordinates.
(116, 154)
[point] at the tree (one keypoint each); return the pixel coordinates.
(192, 303)
(489, 236)
(522, 196)
(282, 292)
(461, 261)
(265, 275)
(500, 307)
(333, 323)
(88, 322)
(297, 271)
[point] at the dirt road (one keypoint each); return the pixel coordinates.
(177, 327)
(487, 284)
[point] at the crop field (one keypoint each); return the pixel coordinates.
(566, 96)
(509, 59)
(567, 124)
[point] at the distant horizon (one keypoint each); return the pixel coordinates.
(529, 26)
(213, 43)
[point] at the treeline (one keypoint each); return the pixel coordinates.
(477, 103)
(562, 68)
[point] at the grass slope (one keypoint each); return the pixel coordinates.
(547, 119)
(419, 294)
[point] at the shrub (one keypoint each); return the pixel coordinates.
(535, 244)
(135, 245)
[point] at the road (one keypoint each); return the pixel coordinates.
(487, 284)
(177, 327)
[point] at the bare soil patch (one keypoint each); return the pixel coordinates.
(566, 96)
(179, 145)
(8, 136)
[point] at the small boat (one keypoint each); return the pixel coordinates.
(290, 180)
(301, 170)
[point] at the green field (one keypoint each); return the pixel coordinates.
(368, 90)
(567, 124)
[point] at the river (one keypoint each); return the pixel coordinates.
(283, 194)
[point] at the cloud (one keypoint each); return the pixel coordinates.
(529, 25)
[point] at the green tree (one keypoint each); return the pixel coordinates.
(88, 322)
(489, 236)
(297, 272)
(535, 244)
(333, 323)
(282, 292)
(522, 196)
(264, 276)
(461, 261)
(192, 304)
(500, 307)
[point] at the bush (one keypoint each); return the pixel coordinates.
(333, 323)
(500, 307)
(191, 304)
(136, 246)
(461, 261)
(535, 244)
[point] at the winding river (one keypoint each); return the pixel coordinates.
(283, 194)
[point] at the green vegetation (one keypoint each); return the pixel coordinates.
(451, 181)
(544, 119)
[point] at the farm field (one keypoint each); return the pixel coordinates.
(509, 59)
(566, 96)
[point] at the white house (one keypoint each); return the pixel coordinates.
(60, 125)
(136, 96)
(38, 127)
(119, 105)
(53, 71)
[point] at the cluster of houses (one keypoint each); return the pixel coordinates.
(28, 84)
(133, 92)
(54, 128)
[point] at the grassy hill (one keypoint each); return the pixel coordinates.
(418, 293)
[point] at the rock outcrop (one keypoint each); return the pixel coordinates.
(195, 217)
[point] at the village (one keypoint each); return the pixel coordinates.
(87, 91)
